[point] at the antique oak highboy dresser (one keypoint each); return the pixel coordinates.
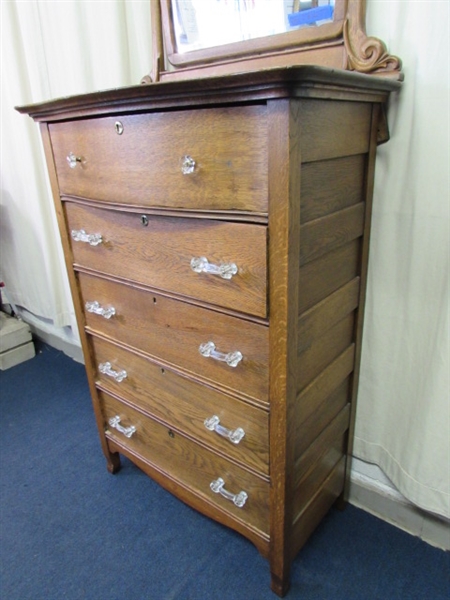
(216, 234)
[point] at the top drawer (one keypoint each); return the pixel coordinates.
(143, 165)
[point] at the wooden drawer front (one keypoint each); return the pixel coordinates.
(159, 254)
(173, 331)
(189, 463)
(186, 405)
(142, 166)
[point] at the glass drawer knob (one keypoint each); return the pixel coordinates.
(187, 165)
(73, 160)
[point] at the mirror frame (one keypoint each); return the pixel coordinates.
(341, 44)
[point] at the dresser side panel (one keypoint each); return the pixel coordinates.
(376, 117)
(334, 234)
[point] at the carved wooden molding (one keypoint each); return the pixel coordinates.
(368, 54)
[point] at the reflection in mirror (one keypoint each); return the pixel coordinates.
(202, 24)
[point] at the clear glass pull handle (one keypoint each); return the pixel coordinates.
(127, 431)
(93, 239)
(106, 369)
(96, 308)
(73, 160)
(187, 165)
(213, 424)
(232, 359)
(202, 265)
(237, 499)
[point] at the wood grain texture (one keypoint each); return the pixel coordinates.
(320, 278)
(323, 235)
(368, 193)
(284, 222)
(235, 216)
(318, 506)
(326, 440)
(184, 404)
(314, 477)
(320, 460)
(143, 164)
(312, 426)
(316, 402)
(172, 330)
(323, 125)
(315, 321)
(160, 254)
(331, 185)
(275, 83)
(324, 351)
(188, 462)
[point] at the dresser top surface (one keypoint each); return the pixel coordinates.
(287, 82)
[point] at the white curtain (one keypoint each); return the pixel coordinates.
(403, 415)
(55, 48)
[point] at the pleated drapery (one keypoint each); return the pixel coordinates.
(403, 415)
(52, 49)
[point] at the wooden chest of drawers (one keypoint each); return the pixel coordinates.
(216, 236)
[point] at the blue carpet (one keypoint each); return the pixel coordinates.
(71, 530)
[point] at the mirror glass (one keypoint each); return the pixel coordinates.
(200, 24)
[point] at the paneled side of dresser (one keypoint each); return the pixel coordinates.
(319, 219)
(231, 382)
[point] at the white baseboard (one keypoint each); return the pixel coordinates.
(61, 338)
(71, 349)
(378, 496)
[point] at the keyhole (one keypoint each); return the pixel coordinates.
(119, 127)
(171, 433)
(144, 220)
